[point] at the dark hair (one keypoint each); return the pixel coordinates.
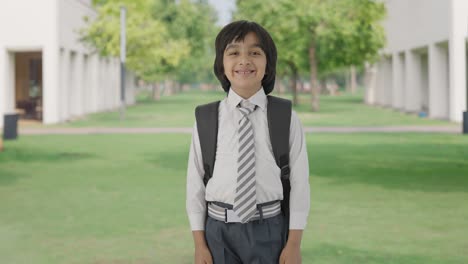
(236, 31)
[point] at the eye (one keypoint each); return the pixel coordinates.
(233, 53)
(256, 53)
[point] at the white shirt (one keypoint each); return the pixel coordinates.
(221, 187)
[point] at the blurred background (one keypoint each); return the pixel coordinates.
(94, 145)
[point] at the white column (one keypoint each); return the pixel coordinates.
(388, 82)
(413, 86)
(457, 59)
(78, 85)
(64, 107)
(398, 81)
(3, 82)
(102, 86)
(72, 85)
(116, 82)
(105, 86)
(7, 83)
(438, 82)
(85, 85)
(370, 83)
(380, 82)
(51, 84)
(50, 66)
(94, 81)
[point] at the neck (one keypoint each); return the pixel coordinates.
(246, 93)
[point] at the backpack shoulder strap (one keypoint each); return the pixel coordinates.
(279, 120)
(207, 126)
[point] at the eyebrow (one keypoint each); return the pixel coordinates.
(233, 45)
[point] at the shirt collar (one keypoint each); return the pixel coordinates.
(259, 99)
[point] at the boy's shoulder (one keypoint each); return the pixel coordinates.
(208, 107)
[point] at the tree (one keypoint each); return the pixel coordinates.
(150, 48)
(277, 18)
(193, 21)
(329, 34)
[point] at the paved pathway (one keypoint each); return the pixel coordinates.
(147, 130)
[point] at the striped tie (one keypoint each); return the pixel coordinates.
(245, 201)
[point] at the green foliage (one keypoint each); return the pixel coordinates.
(344, 32)
(193, 21)
(164, 38)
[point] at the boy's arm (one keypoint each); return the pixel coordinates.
(195, 199)
(195, 202)
(199, 239)
(299, 202)
(292, 251)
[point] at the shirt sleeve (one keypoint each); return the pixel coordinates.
(299, 165)
(195, 196)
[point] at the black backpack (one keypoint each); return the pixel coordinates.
(279, 120)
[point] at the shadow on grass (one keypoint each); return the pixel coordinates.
(14, 156)
(183, 98)
(173, 160)
(422, 167)
(36, 155)
(327, 253)
(8, 176)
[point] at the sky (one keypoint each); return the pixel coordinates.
(224, 8)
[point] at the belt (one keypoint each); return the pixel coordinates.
(223, 212)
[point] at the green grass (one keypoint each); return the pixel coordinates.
(178, 111)
(375, 198)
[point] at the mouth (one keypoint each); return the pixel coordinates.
(244, 72)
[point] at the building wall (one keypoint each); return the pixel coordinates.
(427, 40)
(76, 81)
(25, 25)
(415, 23)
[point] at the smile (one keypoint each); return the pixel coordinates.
(244, 72)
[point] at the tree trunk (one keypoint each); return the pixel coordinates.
(156, 92)
(293, 82)
(348, 81)
(168, 87)
(178, 87)
(276, 86)
(314, 88)
(281, 85)
(353, 80)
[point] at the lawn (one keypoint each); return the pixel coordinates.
(376, 198)
(344, 110)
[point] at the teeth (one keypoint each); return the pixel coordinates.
(244, 72)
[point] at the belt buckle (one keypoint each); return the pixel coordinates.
(231, 217)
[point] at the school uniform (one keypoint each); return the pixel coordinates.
(259, 240)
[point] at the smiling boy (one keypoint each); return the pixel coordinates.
(242, 197)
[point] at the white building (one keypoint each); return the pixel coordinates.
(46, 73)
(424, 65)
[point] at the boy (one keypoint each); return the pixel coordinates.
(244, 222)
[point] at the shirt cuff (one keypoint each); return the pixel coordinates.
(197, 221)
(297, 220)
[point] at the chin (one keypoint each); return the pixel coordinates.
(246, 86)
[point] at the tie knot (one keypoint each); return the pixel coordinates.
(246, 107)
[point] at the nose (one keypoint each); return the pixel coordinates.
(244, 60)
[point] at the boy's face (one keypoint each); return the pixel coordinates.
(244, 63)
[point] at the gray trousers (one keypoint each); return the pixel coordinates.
(256, 242)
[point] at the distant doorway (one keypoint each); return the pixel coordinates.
(28, 85)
